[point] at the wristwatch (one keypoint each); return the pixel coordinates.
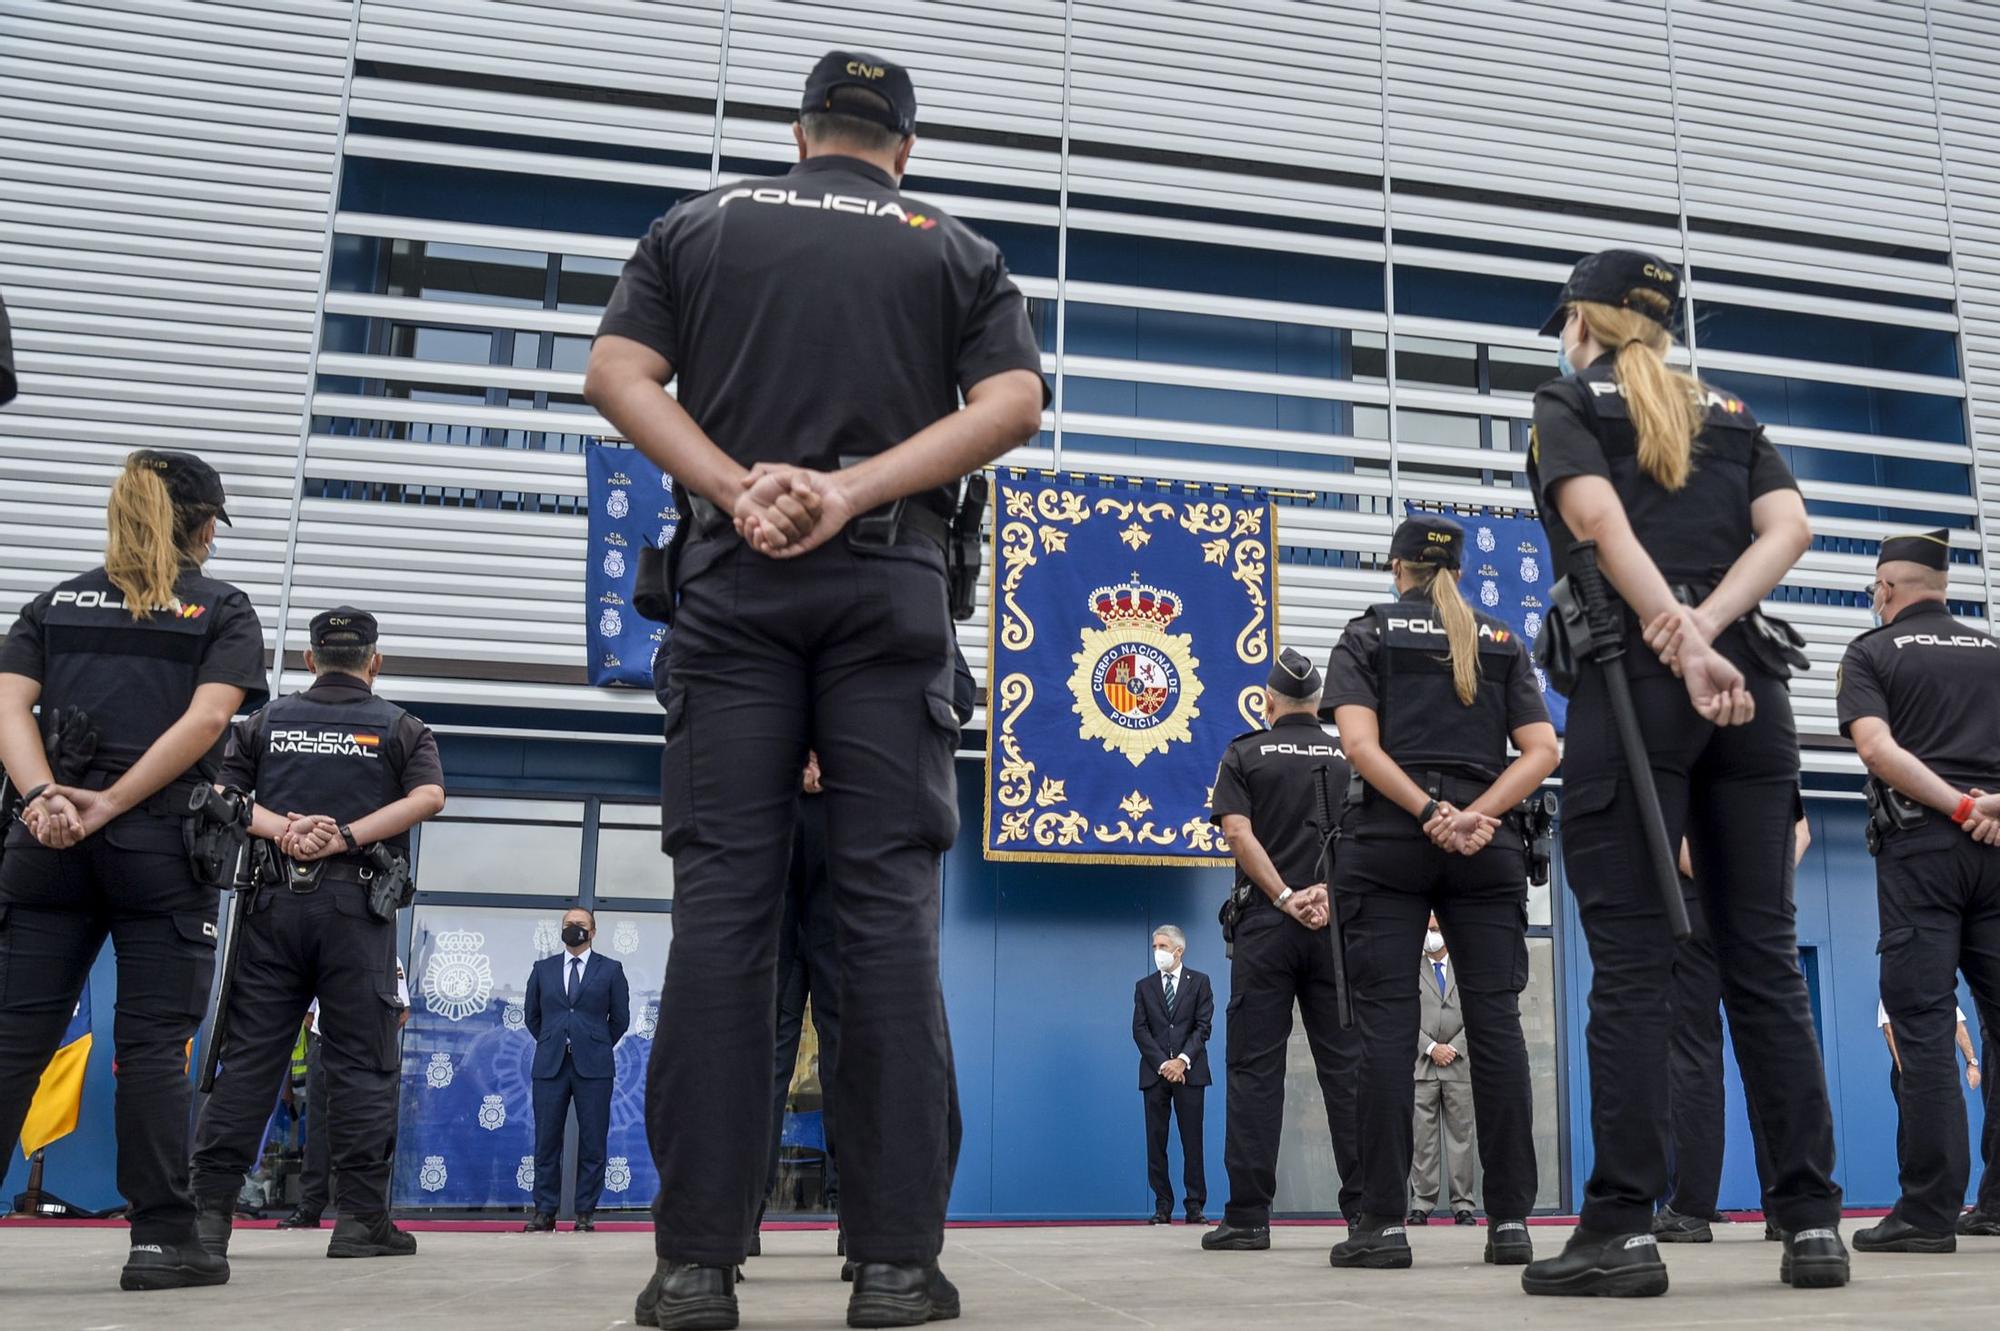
(1282, 898)
(347, 835)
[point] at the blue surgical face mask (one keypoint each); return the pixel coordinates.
(1563, 367)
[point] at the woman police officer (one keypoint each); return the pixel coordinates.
(1426, 694)
(1696, 518)
(138, 666)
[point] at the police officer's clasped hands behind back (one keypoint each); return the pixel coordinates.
(1695, 518)
(822, 326)
(1920, 697)
(340, 777)
(138, 666)
(1266, 803)
(1427, 693)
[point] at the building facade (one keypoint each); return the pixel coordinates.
(353, 252)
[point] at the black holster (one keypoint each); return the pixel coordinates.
(1537, 820)
(1889, 811)
(962, 552)
(214, 831)
(1776, 647)
(1227, 916)
(653, 580)
(390, 888)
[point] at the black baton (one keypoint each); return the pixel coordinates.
(232, 948)
(1608, 651)
(1328, 830)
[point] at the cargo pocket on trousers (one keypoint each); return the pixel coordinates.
(935, 802)
(198, 935)
(677, 774)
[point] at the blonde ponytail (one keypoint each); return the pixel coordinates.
(1665, 404)
(142, 554)
(1461, 630)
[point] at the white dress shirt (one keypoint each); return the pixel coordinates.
(1882, 1014)
(581, 971)
(1175, 976)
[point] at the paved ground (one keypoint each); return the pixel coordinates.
(1021, 1279)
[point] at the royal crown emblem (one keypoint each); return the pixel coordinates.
(614, 563)
(514, 1017)
(524, 1174)
(1531, 571)
(1134, 683)
(458, 978)
(648, 1023)
(438, 1074)
(610, 624)
(617, 1173)
(625, 938)
(1489, 594)
(1484, 540)
(432, 1176)
(618, 504)
(1531, 624)
(548, 939)
(492, 1113)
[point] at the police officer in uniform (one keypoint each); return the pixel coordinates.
(337, 772)
(823, 327)
(1264, 802)
(1920, 698)
(1427, 693)
(1696, 519)
(138, 666)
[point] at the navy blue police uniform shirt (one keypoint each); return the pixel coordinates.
(821, 315)
(1267, 777)
(412, 751)
(135, 678)
(1936, 682)
(1583, 429)
(1353, 677)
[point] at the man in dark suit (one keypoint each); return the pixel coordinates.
(577, 1008)
(1172, 1010)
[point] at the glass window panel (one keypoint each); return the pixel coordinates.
(445, 344)
(527, 350)
(1424, 360)
(1510, 370)
(514, 846)
(630, 862)
(584, 283)
(571, 354)
(476, 274)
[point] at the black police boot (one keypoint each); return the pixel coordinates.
(1614, 1266)
(541, 1222)
(306, 1217)
(1670, 1226)
(1980, 1224)
(1161, 1218)
(684, 1297)
(212, 1220)
(1376, 1243)
(1464, 1218)
(886, 1294)
(172, 1266)
(586, 1223)
(1896, 1234)
(369, 1236)
(1814, 1259)
(1508, 1244)
(1418, 1216)
(1226, 1237)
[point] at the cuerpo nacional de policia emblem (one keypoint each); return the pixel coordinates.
(1134, 682)
(458, 980)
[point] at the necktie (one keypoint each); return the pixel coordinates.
(1438, 966)
(1170, 998)
(575, 978)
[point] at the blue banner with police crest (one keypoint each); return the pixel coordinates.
(631, 507)
(1131, 630)
(1507, 574)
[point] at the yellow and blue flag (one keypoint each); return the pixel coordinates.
(52, 1115)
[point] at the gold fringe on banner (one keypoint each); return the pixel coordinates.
(1136, 861)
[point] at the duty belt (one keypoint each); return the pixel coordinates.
(899, 523)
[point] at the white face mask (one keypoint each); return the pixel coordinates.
(1163, 959)
(1433, 942)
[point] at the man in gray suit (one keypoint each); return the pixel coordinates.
(1444, 1089)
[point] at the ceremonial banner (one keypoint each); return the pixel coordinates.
(52, 1113)
(1131, 631)
(631, 506)
(1507, 574)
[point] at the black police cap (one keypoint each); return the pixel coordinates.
(343, 626)
(1610, 276)
(190, 481)
(860, 69)
(1293, 676)
(1425, 538)
(1932, 549)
